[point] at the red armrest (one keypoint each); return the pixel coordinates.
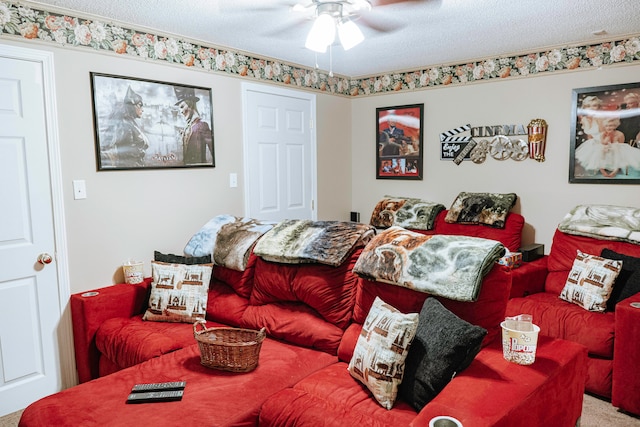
(625, 393)
(529, 278)
(90, 309)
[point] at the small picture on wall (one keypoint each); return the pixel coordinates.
(399, 142)
(605, 135)
(145, 124)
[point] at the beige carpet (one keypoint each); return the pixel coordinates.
(595, 413)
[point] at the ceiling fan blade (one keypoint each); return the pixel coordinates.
(375, 3)
(380, 22)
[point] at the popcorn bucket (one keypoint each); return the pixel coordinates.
(133, 272)
(519, 346)
(537, 130)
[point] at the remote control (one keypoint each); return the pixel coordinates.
(155, 396)
(168, 386)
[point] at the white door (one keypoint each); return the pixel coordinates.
(30, 300)
(279, 153)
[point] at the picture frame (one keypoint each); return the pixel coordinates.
(149, 124)
(605, 135)
(399, 142)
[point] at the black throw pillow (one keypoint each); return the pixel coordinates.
(443, 346)
(179, 259)
(628, 281)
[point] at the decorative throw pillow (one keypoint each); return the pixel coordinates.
(406, 212)
(179, 259)
(481, 208)
(443, 346)
(178, 292)
(378, 359)
(590, 281)
(628, 281)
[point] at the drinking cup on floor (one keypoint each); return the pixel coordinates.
(519, 346)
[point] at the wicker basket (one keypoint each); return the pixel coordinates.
(228, 349)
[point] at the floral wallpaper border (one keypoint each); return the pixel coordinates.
(32, 23)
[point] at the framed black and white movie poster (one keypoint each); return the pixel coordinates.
(399, 133)
(146, 124)
(605, 135)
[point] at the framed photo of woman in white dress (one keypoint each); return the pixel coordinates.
(605, 135)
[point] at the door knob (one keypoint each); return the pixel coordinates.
(44, 259)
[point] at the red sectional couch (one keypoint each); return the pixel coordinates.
(611, 337)
(313, 315)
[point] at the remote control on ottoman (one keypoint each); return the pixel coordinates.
(168, 386)
(155, 396)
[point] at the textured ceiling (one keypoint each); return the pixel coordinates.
(400, 35)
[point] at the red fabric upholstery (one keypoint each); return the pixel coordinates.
(305, 304)
(626, 375)
(529, 278)
(510, 236)
(89, 312)
(328, 290)
(563, 253)
(487, 312)
(211, 397)
(546, 393)
(240, 281)
(599, 332)
(129, 341)
(560, 319)
(224, 305)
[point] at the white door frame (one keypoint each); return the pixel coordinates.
(247, 87)
(65, 356)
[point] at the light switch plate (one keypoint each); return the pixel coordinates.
(233, 180)
(79, 189)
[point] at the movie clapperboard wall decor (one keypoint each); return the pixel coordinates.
(500, 142)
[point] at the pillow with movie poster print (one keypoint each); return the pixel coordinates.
(628, 281)
(178, 292)
(590, 281)
(481, 208)
(444, 345)
(381, 349)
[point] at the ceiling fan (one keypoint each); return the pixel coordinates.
(338, 16)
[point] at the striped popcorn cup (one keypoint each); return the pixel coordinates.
(537, 130)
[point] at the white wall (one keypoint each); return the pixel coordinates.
(132, 213)
(545, 194)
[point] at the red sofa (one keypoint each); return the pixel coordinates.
(611, 337)
(313, 315)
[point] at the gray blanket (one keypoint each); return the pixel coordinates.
(304, 241)
(603, 222)
(449, 266)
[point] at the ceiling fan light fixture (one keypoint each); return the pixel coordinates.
(322, 33)
(349, 34)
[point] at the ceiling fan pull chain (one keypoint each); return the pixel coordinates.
(330, 61)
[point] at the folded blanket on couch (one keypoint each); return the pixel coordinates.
(405, 212)
(449, 266)
(603, 222)
(304, 241)
(229, 239)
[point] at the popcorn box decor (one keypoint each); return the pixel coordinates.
(511, 260)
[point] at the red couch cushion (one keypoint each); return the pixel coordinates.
(129, 341)
(510, 236)
(561, 319)
(306, 304)
(563, 253)
(240, 281)
(211, 397)
(487, 312)
(224, 305)
(334, 397)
